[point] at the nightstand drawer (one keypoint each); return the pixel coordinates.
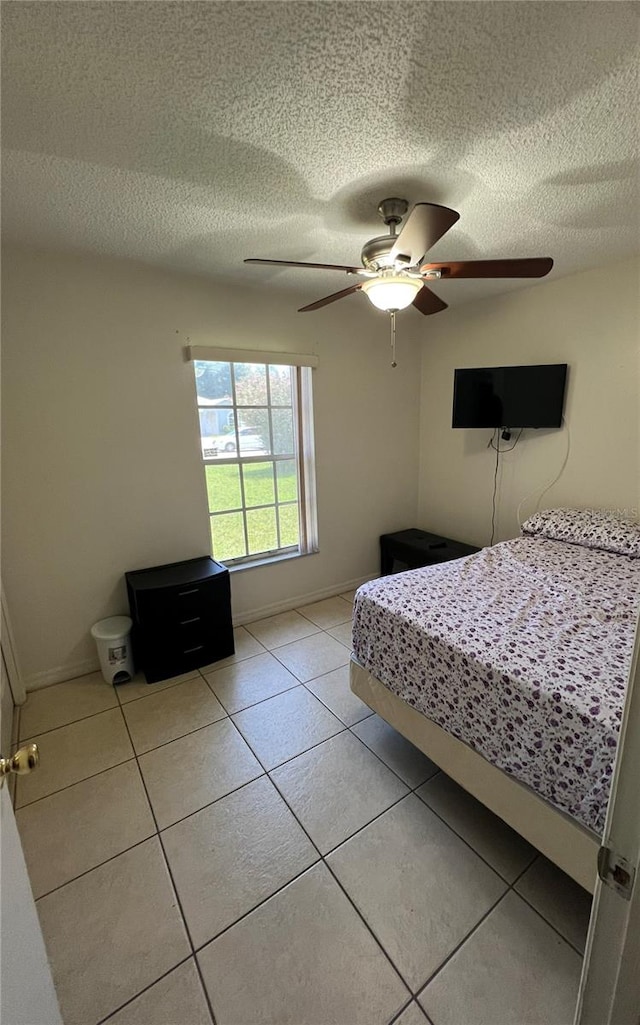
(183, 604)
(191, 632)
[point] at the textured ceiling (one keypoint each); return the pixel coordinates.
(194, 134)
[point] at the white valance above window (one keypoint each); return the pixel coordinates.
(214, 354)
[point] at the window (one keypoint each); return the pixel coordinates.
(256, 435)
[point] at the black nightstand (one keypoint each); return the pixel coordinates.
(414, 548)
(181, 617)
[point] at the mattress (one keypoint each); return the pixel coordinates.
(521, 651)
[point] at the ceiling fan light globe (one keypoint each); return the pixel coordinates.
(392, 294)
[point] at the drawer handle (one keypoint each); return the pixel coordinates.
(187, 651)
(194, 590)
(196, 619)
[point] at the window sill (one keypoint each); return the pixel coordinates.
(269, 561)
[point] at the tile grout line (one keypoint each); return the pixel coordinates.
(209, 804)
(510, 886)
(347, 725)
(181, 736)
(119, 704)
(254, 704)
(145, 990)
(509, 890)
(311, 678)
(414, 790)
(321, 861)
(460, 945)
(536, 855)
(100, 864)
(157, 831)
(136, 755)
(579, 952)
(72, 722)
(287, 760)
(160, 690)
(84, 779)
(324, 862)
(467, 842)
(398, 1016)
(321, 857)
(197, 673)
(312, 633)
(254, 752)
(265, 900)
(228, 715)
(172, 880)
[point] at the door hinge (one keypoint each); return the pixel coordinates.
(616, 872)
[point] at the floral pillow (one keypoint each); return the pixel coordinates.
(591, 528)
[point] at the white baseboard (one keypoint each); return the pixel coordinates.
(297, 602)
(61, 673)
(90, 665)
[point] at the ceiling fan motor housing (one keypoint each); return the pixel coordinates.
(375, 253)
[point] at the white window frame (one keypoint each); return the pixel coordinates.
(304, 446)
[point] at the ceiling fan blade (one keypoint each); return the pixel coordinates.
(296, 263)
(329, 299)
(426, 223)
(428, 302)
(531, 268)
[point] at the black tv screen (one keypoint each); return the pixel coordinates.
(509, 396)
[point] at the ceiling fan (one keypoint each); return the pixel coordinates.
(392, 264)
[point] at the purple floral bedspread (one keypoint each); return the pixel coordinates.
(522, 651)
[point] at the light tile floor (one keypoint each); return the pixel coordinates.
(250, 845)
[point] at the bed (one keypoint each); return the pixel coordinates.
(508, 668)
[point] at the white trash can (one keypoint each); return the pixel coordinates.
(112, 637)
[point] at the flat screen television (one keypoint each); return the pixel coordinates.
(509, 396)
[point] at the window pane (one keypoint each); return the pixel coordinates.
(287, 481)
(289, 525)
(258, 484)
(223, 488)
(227, 536)
(261, 530)
(283, 432)
(253, 432)
(251, 384)
(280, 384)
(213, 422)
(213, 383)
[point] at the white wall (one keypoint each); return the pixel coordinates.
(590, 321)
(101, 469)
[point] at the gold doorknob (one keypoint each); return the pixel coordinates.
(24, 760)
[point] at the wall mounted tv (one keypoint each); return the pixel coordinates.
(509, 396)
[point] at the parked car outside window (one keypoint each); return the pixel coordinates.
(251, 443)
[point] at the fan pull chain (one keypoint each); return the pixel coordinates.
(393, 338)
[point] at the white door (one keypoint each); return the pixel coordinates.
(27, 996)
(610, 984)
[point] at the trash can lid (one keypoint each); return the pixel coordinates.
(111, 629)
